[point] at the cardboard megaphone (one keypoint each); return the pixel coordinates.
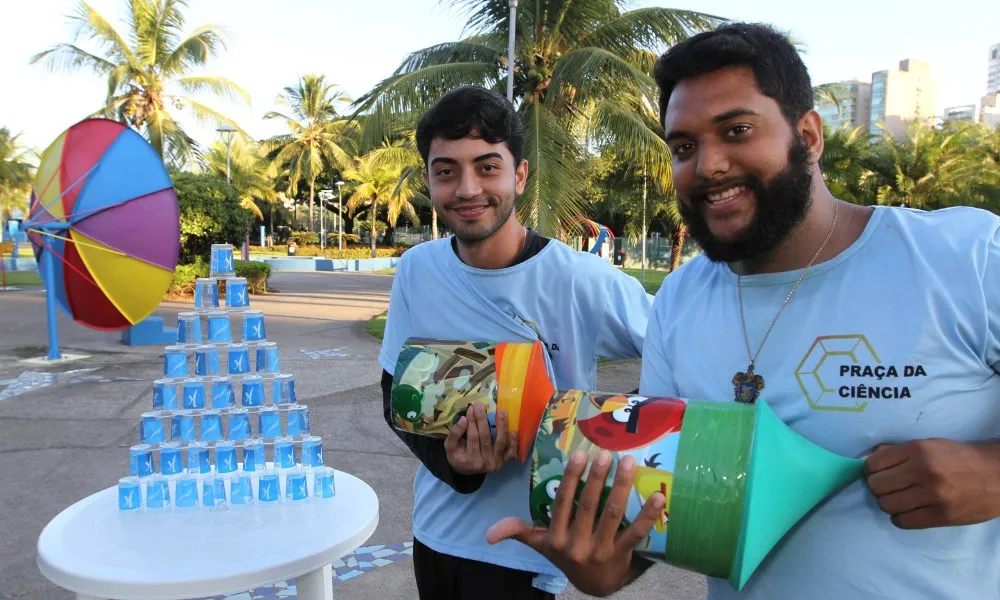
(436, 381)
(735, 477)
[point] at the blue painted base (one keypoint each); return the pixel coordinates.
(310, 263)
(149, 332)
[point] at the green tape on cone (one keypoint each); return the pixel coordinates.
(710, 476)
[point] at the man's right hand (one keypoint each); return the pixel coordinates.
(477, 453)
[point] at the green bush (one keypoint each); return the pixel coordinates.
(208, 214)
(256, 273)
(348, 253)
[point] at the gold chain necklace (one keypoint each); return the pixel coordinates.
(747, 384)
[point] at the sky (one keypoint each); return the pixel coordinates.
(356, 44)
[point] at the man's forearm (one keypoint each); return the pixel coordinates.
(429, 451)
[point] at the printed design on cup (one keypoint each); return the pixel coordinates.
(648, 429)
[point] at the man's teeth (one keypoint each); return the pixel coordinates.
(726, 194)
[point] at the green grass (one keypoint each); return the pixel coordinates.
(23, 278)
(654, 279)
(389, 271)
(376, 326)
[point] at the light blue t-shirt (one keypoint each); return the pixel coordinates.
(581, 308)
(895, 339)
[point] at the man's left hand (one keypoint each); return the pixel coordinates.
(935, 482)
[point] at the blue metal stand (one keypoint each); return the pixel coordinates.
(50, 304)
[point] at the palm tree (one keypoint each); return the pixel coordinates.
(845, 161)
(380, 181)
(149, 71)
(251, 175)
(318, 137)
(17, 170)
(583, 73)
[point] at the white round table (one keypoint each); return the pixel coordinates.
(97, 552)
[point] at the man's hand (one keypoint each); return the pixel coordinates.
(596, 557)
(936, 482)
(477, 453)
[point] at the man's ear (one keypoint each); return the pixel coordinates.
(521, 176)
(811, 131)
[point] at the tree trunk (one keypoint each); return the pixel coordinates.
(434, 224)
(374, 213)
(677, 247)
(312, 186)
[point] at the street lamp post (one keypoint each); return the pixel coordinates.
(510, 50)
(340, 215)
(227, 131)
(324, 196)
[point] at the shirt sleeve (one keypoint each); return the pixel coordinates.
(991, 292)
(398, 326)
(656, 377)
(622, 331)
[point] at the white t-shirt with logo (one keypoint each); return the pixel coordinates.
(895, 339)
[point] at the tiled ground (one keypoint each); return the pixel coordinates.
(358, 563)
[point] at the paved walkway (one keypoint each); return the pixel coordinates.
(65, 429)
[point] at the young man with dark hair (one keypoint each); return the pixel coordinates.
(494, 280)
(873, 331)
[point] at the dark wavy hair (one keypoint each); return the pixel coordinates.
(776, 65)
(469, 109)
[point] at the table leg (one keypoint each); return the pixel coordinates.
(315, 585)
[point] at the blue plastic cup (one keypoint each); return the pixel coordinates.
(298, 420)
(253, 326)
(182, 426)
(175, 363)
(296, 487)
(323, 484)
(211, 426)
(188, 328)
(219, 327)
(194, 394)
(269, 489)
(211, 494)
(206, 293)
(129, 494)
(253, 391)
(171, 459)
(221, 260)
(253, 456)
(186, 494)
(237, 294)
(269, 422)
(222, 392)
(206, 361)
(225, 457)
(239, 425)
(312, 451)
(241, 492)
(140, 459)
(157, 494)
(239, 359)
(151, 428)
(165, 395)
(267, 358)
(198, 459)
(284, 454)
(284, 389)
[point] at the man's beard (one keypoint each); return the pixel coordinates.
(471, 234)
(781, 204)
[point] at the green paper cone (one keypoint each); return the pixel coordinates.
(735, 478)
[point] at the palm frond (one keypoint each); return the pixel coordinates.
(654, 28)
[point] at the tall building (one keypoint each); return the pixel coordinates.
(993, 78)
(966, 112)
(855, 106)
(989, 110)
(902, 96)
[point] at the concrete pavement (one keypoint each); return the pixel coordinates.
(65, 428)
